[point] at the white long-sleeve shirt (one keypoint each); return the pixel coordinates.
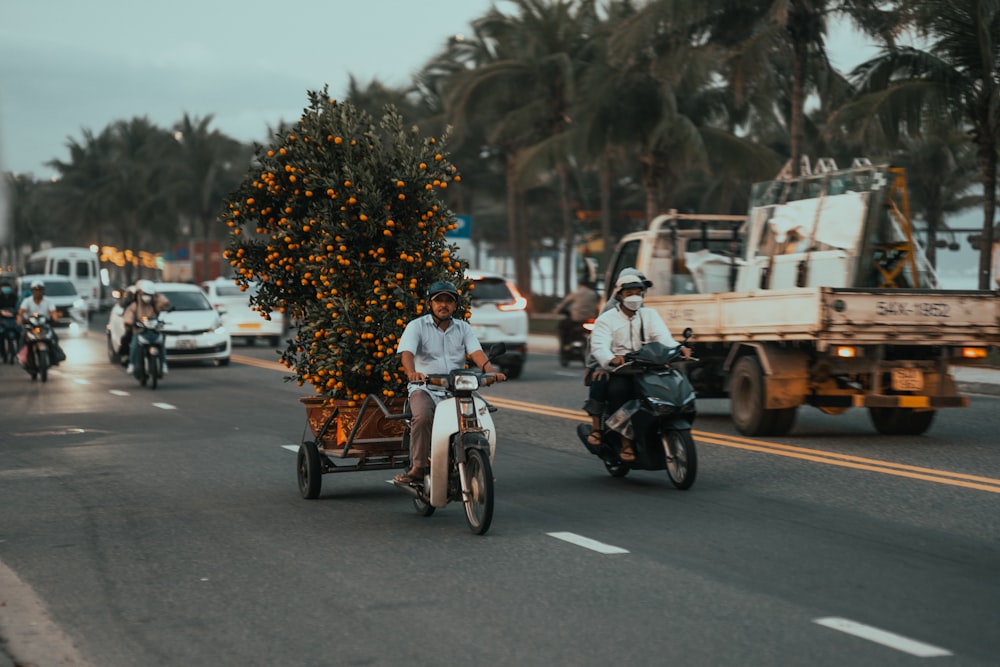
(616, 334)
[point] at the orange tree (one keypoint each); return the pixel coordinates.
(341, 222)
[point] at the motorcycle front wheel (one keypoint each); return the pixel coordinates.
(153, 370)
(682, 457)
(42, 364)
(479, 486)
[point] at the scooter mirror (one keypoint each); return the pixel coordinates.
(688, 332)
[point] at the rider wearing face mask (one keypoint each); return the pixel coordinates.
(618, 331)
(145, 307)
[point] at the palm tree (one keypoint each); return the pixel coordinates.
(81, 190)
(209, 165)
(522, 94)
(956, 78)
(940, 169)
(780, 44)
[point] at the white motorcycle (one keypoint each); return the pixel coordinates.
(463, 443)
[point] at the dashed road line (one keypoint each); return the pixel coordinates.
(587, 543)
(883, 637)
(164, 406)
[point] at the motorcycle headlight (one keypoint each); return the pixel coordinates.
(466, 382)
(660, 407)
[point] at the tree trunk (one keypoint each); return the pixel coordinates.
(988, 157)
(605, 192)
(568, 235)
(796, 125)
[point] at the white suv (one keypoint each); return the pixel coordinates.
(499, 314)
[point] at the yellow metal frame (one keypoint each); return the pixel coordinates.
(894, 258)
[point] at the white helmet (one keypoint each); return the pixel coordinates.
(146, 286)
(630, 277)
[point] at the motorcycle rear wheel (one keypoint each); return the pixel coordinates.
(479, 483)
(423, 508)
(616, 469)
(682, 457)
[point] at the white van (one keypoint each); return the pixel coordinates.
(80, 265)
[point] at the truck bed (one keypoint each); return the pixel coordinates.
(828, 315)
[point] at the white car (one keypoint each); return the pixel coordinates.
(63, 295)
(499, 314)
(244, 323)
(193, 329)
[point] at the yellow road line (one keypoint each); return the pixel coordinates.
(739, 442)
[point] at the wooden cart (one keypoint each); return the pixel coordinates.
(372, 436)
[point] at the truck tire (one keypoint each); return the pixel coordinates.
(747, 397)
(901, 421)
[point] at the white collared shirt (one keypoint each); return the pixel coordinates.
(616, 334)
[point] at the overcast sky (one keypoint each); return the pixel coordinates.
(66, 65)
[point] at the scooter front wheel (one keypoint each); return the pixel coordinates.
(682, 457)
(478, 491)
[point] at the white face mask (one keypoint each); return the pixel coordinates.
(147, 298)
(633, 302)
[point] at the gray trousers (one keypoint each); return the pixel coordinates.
(422, 408)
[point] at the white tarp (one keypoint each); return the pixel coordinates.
(841, 219)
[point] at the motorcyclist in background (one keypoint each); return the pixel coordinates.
(8, 311)
(39, 304)
(148, 303)
(579, 306)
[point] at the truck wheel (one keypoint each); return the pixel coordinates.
(513, 371)
(901, 421)
(746, 397)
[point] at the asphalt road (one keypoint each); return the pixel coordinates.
(165, 527)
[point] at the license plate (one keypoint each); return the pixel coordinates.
(184, 343)
(907, 379)
(248, 325)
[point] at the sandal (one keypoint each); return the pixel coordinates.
(595, 439)
(411, 477)
(627, 454)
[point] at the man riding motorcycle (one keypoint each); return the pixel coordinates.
(8, 312)
(148, 303)
(618, 331)
(38, 304)
(579, 306)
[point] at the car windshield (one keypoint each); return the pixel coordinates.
(229, 291)
(58, 288)
(188, 301)
(490, 289)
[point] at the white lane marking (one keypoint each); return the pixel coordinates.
(291, 448)
(81, 381)
(884, 637)
(164, 406)
(588, 543)
(119, 392)
(567, 374)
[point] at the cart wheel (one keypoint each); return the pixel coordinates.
(309, 469)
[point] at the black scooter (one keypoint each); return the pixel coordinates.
(661, 418)
(574, 340)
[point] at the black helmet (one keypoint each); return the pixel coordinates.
(442, 287)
